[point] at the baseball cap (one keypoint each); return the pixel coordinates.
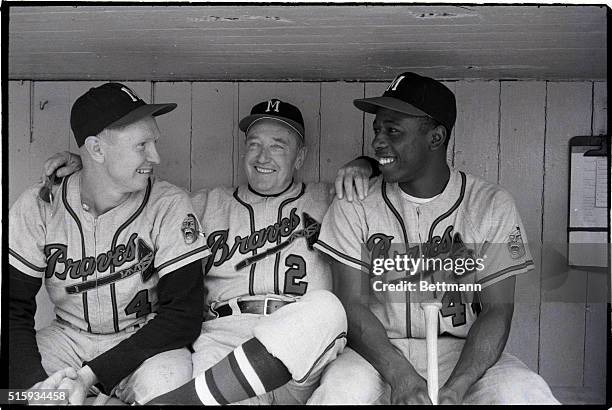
(278, 110)
(413, 94)
(111, 104)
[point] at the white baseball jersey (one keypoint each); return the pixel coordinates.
(470, 219)
(240, 223)
(101, 273)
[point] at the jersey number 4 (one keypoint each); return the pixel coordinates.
(452, 306)
(140, 304)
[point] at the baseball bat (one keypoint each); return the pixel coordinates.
(431, 309)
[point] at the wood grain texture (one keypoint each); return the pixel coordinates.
(305, 96)
(476, 134)
(174, 146)
(341, 127)
(371, 90)
(215, 130)
(19, 138)
(522, 142)
(598, 283)
(569, 108)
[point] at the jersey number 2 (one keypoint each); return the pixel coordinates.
(140, 304)
(296, 271)
(452, 306)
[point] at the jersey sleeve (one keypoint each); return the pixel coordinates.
(505, 252)
(178, 241)
(27, 234)
(199, 200)
(343, 234)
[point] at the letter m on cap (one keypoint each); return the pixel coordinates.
(273, 105)
(395, 83)
(131, 93)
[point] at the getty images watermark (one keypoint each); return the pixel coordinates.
(450, 268)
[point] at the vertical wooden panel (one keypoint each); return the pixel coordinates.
(521, 155)
(595, 352)
(600, 108)
(450, 150)
(341, 127)
(175, 126)
(214, 130)
(18, 138)
(50, 134)
(305, 96)
(563, 290)
(371, 90)
(477, 128)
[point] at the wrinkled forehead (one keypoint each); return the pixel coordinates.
(272, 128)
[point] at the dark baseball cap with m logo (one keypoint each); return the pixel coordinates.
(416, 95)
(110, 105)
(278, 110)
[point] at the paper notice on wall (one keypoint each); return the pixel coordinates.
(588, 192)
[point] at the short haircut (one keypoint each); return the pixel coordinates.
(427, 124)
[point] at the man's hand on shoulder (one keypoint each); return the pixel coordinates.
(63, 164)
(353, 178)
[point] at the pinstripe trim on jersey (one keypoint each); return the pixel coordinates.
(327, 349)
(489, 278)
(252, 225)
(114, 244)
(78, 223)
(180, 258)
(341, 255)
(278, 240)
(406, 244)
(451, 210)
(25, 262)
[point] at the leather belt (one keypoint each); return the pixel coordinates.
(264, 307)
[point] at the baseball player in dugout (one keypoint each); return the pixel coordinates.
(411, 240)
(271, 323)
(120, 255)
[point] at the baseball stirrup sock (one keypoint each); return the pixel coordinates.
(246, 372)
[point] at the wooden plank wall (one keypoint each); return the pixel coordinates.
(510, 132)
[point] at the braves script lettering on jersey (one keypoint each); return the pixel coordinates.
(470, 218)
(240, 224)
(83, 259)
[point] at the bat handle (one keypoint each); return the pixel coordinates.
(431, 309)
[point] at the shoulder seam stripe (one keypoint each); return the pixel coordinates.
(343, 255)
(25, 262)
(252, 226)
(395, 212)
(504, 271)
(184, 256)
(78, 222)
(452, 209)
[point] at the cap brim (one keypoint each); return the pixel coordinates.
(371, 105)
(142, 112)
(246, 122)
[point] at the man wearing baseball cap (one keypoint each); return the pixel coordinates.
(466, 242)
(119, 252)
(272, 322)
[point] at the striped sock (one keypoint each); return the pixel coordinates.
(246, 372)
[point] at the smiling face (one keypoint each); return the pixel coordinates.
(400, 145)
(130, 153)
(273, 153)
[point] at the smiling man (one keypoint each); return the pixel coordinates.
(111, 247)
(423, 209)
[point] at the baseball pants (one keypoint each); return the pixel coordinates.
(305, 335)
(350, 379)
(62, 345)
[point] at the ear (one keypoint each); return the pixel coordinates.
(93, 146)
(301, 157)
(438, 138)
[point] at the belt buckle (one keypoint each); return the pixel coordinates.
(266, 300)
